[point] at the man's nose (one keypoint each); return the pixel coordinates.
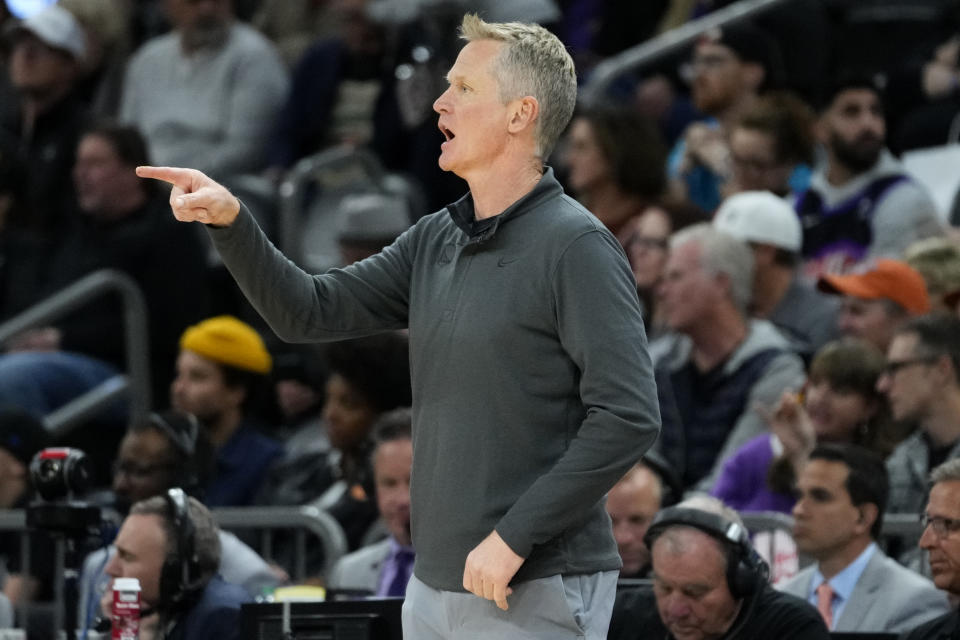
(440, 105)
(677, 606)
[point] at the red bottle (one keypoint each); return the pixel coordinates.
(125, 618)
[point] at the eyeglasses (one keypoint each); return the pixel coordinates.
(893, 366)
(942, 527)
(139, 471)
(645, 242)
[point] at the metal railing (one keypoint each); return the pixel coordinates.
(303, 520)
(136, 384)
(606, 72)
(334, 170)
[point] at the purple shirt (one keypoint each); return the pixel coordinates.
(743, 481)
(398, 565)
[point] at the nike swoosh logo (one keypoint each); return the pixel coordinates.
(502, 262)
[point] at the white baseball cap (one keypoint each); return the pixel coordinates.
(760, 217)
(56, 27)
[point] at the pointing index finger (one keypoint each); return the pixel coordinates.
(174, 175)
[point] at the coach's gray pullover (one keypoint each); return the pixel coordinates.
(532, 388)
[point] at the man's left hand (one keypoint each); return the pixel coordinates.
(489, 568)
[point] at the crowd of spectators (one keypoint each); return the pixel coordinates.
(800, 287)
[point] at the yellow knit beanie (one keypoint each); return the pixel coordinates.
(229, 341)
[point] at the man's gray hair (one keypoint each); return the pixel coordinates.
(710, 504)
(721, 253)
(533, 62)
(677, 544)
(948, 471)
(206, 535)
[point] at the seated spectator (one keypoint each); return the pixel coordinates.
(861, 204)
(631, 504)
(923, 93)
(730, 68)
(221, 374)
(106, 24)
(342, 93)
(371, 84)
(366, 377)
(877, 300)
(121, 224)
(646, 239)
(44, 62)
(293, 25)
(207, 93)
(175, 532)
(938, 261)
(162, 451)
(841, 499)
(780, 294)
(838, 403)
(614, 159)
(383, 568)
(940, 523)
(299, 379)
(772, 146)
(921, 381)
(709, 582)
(716, 364)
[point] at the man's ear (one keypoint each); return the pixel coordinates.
(944, 367)
(724, 284)
(868, 515)
(754, 74)
(524, 114)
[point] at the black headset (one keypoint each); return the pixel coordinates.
(746, 570)
(180, 577)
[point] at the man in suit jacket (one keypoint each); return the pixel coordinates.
(842, 493)
(383, 568)
(940, 539)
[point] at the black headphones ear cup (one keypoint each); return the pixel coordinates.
(179, 577)
(746, 570)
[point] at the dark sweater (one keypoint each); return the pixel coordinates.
(532, 387)
(772, 616)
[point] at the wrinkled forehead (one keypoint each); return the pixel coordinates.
(476, 58)
(944, 499)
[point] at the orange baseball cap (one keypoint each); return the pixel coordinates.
(883, 279)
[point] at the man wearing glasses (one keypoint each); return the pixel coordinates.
(941, 523)
(922, 387)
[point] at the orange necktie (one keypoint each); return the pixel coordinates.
(824, 600)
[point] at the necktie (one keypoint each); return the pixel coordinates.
(403, 561)
(824, 600)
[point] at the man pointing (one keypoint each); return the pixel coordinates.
(532, 388)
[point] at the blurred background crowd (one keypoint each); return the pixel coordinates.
(780, 174)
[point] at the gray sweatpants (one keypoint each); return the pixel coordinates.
(574, 607)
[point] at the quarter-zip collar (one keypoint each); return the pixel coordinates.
(462, 211)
